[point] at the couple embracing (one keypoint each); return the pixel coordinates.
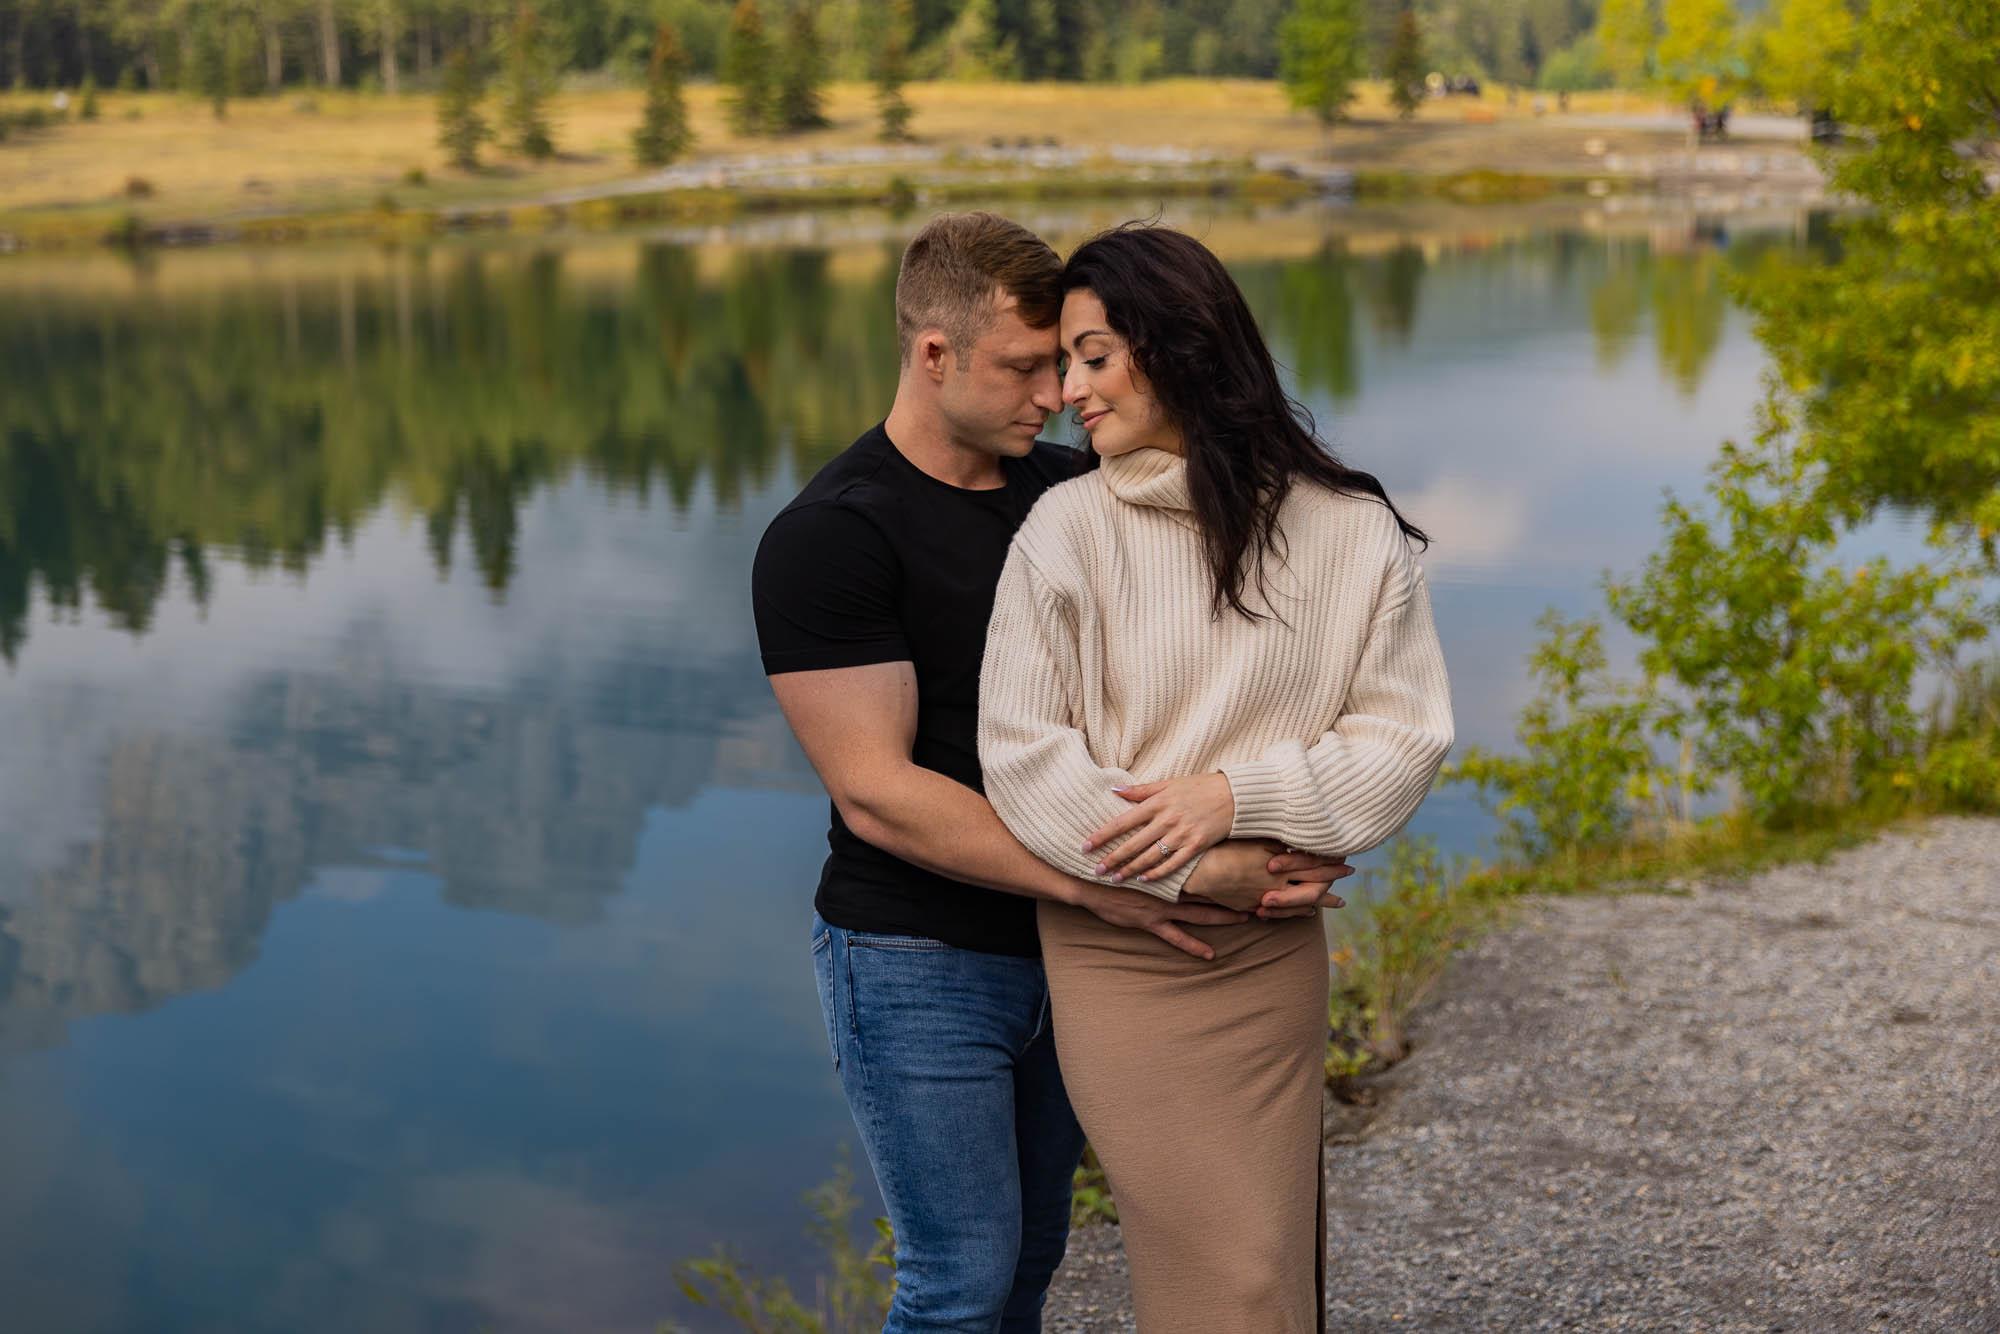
(1099, 728)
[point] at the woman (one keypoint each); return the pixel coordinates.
(1220, 632)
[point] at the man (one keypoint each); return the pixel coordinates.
(872, 592)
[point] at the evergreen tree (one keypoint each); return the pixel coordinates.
(1137, 50)
(1406, 65)
(1321, 54)
(1626, 31)
(527, 78)
(86, 108)
(746, 68)
(663, 133)
(207, 73)
(892, 68)
(461, 129)
(1041, 40)
(972, 46)
(802, 69)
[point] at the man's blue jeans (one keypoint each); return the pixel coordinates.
(949, 1067)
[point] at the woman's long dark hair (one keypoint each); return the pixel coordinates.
(1190, 334)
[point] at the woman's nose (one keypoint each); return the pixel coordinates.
(1074, 389)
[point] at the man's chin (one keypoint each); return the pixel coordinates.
(1016, 444)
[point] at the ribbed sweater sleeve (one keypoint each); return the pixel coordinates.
(1037, 766)
(1360, 782)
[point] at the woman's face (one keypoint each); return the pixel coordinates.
(1115, 402)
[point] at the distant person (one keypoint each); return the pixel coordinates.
(872, 593)
(1222, 632)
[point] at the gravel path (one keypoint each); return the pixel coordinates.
(1773, 1104)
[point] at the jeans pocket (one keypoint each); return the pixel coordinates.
(894, 942)
(822, 953)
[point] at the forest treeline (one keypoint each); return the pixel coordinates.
(398, 45)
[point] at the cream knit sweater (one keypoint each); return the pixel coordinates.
(1106, 666)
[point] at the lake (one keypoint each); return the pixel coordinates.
(404, 870)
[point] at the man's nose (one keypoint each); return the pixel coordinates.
(1048, 391)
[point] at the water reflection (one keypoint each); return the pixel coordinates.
(147, 427)
(344, 592)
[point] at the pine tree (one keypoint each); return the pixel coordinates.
(1041, 40)
(208, 64)
(1406, 65)
(746, 68)
(1321, 55)
(526, 80)
(461, 129)
(892, 68)
(971, 47)
(663, 133)
(86, 108)
(802, 70)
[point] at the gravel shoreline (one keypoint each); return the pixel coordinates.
(1770, 1104)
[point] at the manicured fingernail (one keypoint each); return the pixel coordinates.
(1102, 867)
(1117, 877)
(1088, 846)
(1126, 787)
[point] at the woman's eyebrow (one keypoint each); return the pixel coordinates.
(1087, 333)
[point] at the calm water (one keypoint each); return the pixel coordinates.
(404, 872)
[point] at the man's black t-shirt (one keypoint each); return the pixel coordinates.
(877, 561)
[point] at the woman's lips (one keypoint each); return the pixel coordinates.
(1089, 419)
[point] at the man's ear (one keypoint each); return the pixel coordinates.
(930, 351)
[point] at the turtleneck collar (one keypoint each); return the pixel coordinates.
(1151, 477)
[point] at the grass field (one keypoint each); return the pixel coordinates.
(160, 158)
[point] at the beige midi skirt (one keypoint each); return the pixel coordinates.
(1199, 1086)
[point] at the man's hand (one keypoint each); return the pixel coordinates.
(1147, 912)
(1259, 875)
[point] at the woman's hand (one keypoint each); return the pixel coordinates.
(1170, 823)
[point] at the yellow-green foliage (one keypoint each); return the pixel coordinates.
(1793, 668)
(1626, 31)
(854, 1293)
(1585, 763)
(1698, 57)
(1417, 914)
(1804, 50)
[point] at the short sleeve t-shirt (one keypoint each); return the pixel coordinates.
(877, 561)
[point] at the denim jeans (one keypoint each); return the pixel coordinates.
(949, 1066)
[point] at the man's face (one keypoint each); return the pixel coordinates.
(997, 400)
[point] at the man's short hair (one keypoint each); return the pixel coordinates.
(959, 264)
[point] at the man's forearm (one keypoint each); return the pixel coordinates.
(944, 826)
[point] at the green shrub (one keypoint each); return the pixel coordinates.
(1794, 668)
(1960, 769)
(1586, 764)
(1414, 920)
(1090, 1193)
